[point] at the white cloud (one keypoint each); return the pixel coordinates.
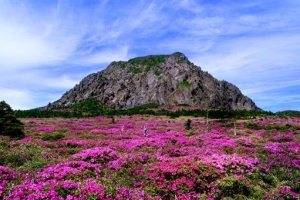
(255, 54)
(45, 46)
(28, 40)
(61, 82)
(17, 99)
(39, 79)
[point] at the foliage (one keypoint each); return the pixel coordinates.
(288, 113)
(136, 70)
(142, 109)
(185, 84)
(9, 124)
(157, 72)
(231, 186)
(36, 113)
(123, 65)
(280, 128)
(145, 64)
(254, 126)
(97, 159)
(90, 107)
(85, 108)
(48, 137)
(148, 62)
(187, 124)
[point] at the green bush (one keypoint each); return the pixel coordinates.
(230, 187)
(48, 137)
(9, 124)
(185, 84)
(157, 72)
(192, 133)
(15, 160)
(283, 128)
(269, 179)
(257, 192)
(123, 66)
(136, 70)
(229, 150)
(254, 126)
(187, 124)
(39, 164)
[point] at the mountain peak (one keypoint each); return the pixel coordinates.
(178, 54)
(163, 79)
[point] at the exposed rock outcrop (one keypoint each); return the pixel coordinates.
(163, 79)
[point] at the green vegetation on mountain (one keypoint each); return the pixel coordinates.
(157, 72)
(141, 64)
(90, 106)
(150, 61)
(185, 84)
(136, 70)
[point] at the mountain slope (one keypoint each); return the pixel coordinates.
(163, 79)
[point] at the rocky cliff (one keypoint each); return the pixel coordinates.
(163, 79)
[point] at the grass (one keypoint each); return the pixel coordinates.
(185, 84)
(157, 72)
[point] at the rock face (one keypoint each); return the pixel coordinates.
(163, 79)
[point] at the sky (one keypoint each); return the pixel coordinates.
(47, 47)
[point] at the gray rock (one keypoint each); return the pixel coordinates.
(163, 79)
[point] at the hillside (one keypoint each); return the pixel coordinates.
(162, 79)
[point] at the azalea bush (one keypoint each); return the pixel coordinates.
(93, 158)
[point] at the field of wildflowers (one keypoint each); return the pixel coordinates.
(105, 158)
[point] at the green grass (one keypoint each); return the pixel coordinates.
(146, 63)
(123, 66)
(157, 72)
(136, 70)
(55, 137)
(185, 84)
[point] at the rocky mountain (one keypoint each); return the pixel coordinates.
(163, 79)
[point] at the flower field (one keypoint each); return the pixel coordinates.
(110, 158)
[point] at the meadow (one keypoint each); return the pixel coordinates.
(110, 158)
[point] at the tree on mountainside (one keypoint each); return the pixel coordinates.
(9, 124)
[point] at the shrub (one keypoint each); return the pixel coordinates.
(123, 66)
(231, 186)
(157, 72)
(269, 178)
(55, 137)
(254, 126)
(15, 160)
(136, 70)
(185, 84)
(192, 133)
(39, 164)
(188, 124)
(9, 124)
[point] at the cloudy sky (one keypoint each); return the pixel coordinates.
(46, 47)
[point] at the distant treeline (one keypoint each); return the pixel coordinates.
(288, 113)
(215, 114)
(92, 107)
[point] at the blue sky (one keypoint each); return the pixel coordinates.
(46, 47)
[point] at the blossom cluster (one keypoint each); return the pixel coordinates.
(101, 159)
